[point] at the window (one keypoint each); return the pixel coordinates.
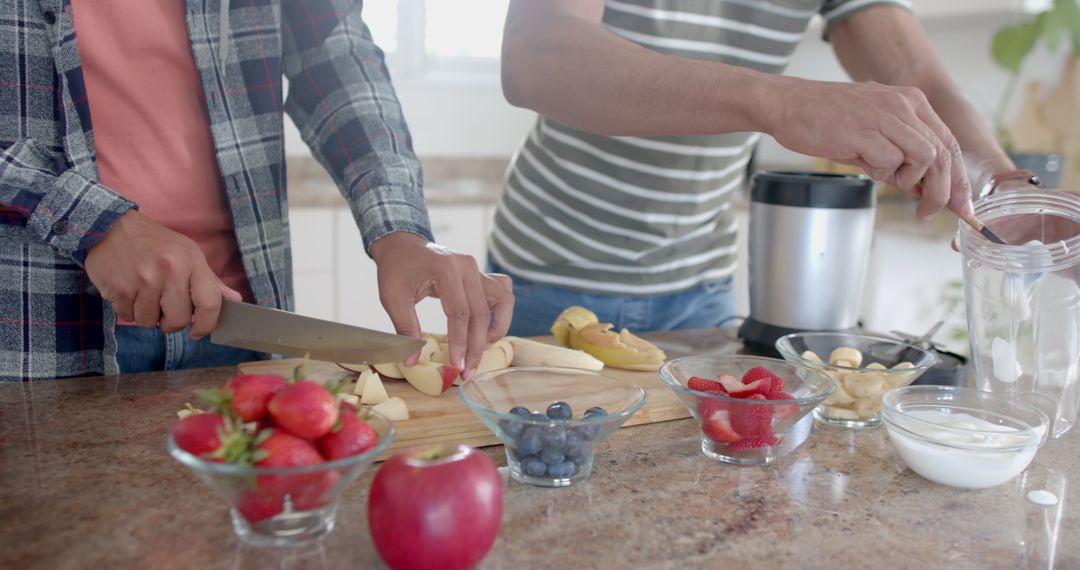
(444, 37)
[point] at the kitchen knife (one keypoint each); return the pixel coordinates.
(244, 325)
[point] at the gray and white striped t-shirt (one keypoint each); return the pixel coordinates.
(647, 215)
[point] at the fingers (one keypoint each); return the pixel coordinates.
(479, 318)
(175, 306)
(206, 296)
(147, 305)
(920, 150)
(456, 307)
(881, 156)
(936, 187)
(230, 294)
(401, 308)
(500, 299)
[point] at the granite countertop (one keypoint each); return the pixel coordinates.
(85, 483)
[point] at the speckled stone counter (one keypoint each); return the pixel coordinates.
(85, 483)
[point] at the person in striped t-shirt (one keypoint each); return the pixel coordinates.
(620, 198)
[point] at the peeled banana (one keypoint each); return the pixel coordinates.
(532, 353)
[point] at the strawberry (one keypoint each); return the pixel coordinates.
(752, 442)
(761, 386)
(708, 406)
(199, 434)
(751, 419)
(729, 382)
(249, 394)
(703, 384)
(304, 408)
(255, 506)
(783, 410)
(278, 448)
(351, 436)
(756, 373)
(777, 384)
(717, 427)
(311, 494)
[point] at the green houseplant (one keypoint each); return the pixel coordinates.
(1012, 44)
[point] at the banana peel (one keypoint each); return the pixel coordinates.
(572, 319)
(578, 327)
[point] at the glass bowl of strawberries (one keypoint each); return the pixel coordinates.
(280, 453)
(744, 405)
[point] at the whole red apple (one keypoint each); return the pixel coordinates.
(435, 507)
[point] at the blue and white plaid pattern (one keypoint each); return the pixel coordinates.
(52, 208)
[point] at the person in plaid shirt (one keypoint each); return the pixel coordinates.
(142, 179)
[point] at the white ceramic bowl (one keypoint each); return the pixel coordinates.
(962, 437)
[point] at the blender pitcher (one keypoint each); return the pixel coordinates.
(1023, 300)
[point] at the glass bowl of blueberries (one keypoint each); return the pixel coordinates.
(551, 441)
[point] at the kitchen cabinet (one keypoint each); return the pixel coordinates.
(335, 279)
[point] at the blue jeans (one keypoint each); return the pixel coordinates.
(150, 350)
(536, 306)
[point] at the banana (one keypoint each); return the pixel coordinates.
(532, 353)
(853, 356)
(570, 321)
(621, 350)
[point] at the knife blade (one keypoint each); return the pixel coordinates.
(264, 329)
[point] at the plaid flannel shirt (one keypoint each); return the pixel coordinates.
(52, 207)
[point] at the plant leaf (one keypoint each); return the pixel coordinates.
(1051, 24)
(1068, 13)
(1012, 44)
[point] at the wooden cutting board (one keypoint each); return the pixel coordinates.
(445, 419)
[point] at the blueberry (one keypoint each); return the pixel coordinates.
(533, 467)
(560, 411)
(520, 411)
(531, 441)
(595, 411)
(561, 470)
(588, 432)
(554, 436)
(539, 417)
(512, 428)
(579, 460)
(552, 456)
(575, 446)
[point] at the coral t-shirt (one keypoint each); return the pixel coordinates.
(151, 129)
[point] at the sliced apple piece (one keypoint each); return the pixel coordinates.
(357, 368)
(374, 391)
(430, 378)
(360, 380)
(389, 369)
(350, 398)
(393, 408)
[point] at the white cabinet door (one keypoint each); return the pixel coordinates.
(312, 232)
(462, 228)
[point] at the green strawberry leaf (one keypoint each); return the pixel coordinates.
(1012, 44)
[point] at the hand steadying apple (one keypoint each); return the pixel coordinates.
(478, 306)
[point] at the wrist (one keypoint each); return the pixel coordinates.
(387, 245)
(767, 105)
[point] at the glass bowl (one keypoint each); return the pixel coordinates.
(544, 451)
(285, 506)
(808, 387)
(856, 403)
(962, 437)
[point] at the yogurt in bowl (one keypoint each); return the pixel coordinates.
(963, 437)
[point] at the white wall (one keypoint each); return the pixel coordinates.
(466, 115)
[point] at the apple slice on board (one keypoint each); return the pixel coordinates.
(374, 391)
(394, 408)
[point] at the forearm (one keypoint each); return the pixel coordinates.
(887, 45)
(569, 68)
